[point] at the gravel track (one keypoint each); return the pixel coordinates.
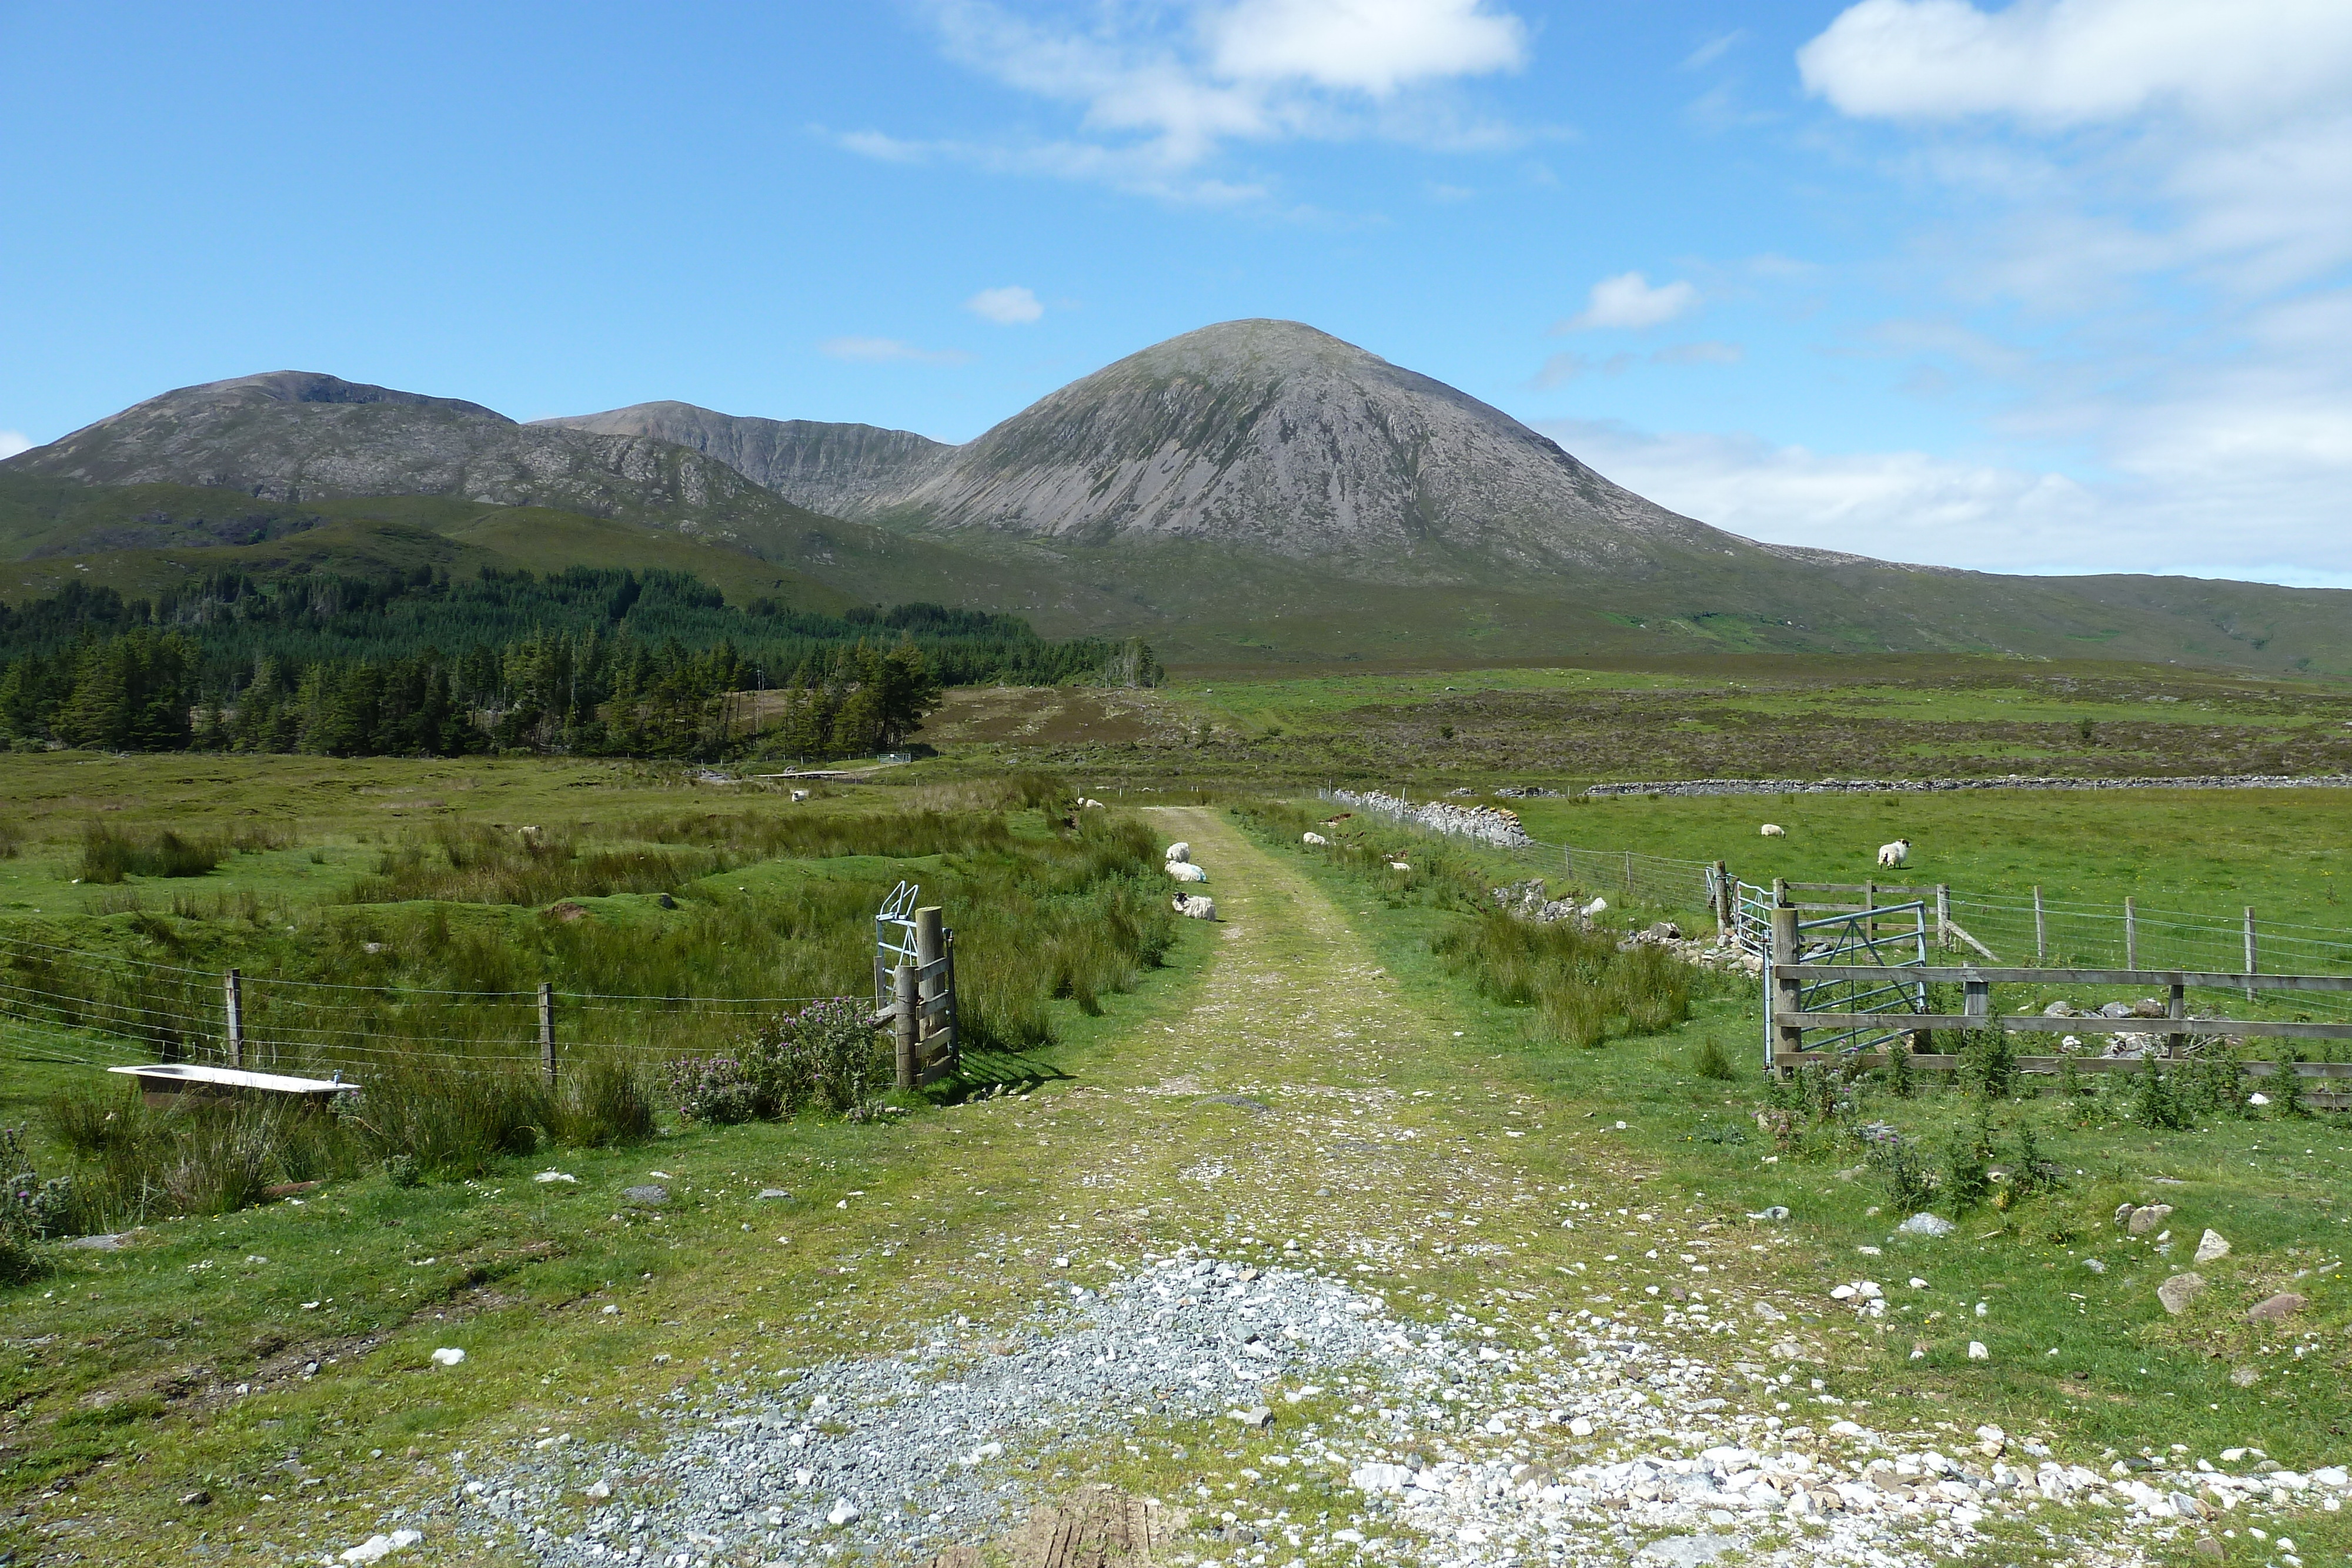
(1435, 1362)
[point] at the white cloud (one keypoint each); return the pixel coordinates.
(1373, 46)
(1162, 89)
(1009, 307)
(888, 351)
(11, 442)
(1986, 515)
(1627, 300)
(2076, 62)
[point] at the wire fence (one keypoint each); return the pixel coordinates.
(2017, 930)
(61, 1005)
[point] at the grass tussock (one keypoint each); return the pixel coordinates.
(109, 853)
(135, 1162)
(1585, 986)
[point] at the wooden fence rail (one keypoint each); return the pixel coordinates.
(1787, 1020)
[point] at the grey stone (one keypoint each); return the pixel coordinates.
(1684, 1550)
(2270, 1310)
(2177, 1293)
(648, 1196)
(767, 1192)
(2148, 1217)
(1238, 1102)
(2211, 1247)
(114, 1242)
(1930, 1225)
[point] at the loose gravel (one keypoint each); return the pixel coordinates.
(1594, 1444)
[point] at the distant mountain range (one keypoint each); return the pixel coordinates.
(1253, 492)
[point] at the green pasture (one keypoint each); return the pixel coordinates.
(2287, 852)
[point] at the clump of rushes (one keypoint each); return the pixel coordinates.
(110, 854)
(1714, 1061)
(1583, 985)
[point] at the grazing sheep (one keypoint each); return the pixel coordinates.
(1598, 906)
(1180, 853)
(1773, 830)
(527, 832)
(1316, 839)
(800, 795)
(1400, 865)
(1087, 805)
(1896, 853)
(1194, 906)
(1183, 870)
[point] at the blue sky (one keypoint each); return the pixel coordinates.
(2049, 286)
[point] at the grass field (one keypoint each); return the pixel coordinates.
(274, 1360)
(1761, 718)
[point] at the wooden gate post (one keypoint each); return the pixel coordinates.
(2040, 931)
(2131, 935)
(1943, 916)
(232, 1006)
(907, 1019)
(1726, 901)
(933, 1041)
(1785, 998)
(547, 1031)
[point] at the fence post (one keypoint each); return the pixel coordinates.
(2131, 935)
(1725, 900)
(1629, 876)
(232, 1005)
(1943, 916)
(547, 1031)
(908, 1007)
(2040, 931)
(2254, 958)
(1785, 995)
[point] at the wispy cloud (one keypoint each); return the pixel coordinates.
(11, 442)
(1009, 307)
(2142, 219)
(888, 351)
(1158, 93)
(1714, 49)
(1628, 301)
(1708, 352)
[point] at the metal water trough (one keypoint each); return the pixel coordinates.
(168, 1083)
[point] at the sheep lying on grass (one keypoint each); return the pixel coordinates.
(1316, 839)
(1196, 907)
(1184, 871)
(1773, 830)
(1178, 854)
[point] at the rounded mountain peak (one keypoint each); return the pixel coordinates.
(1252, 346)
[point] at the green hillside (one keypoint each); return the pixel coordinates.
(142, 540)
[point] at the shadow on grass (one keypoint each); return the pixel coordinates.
(993, 1072)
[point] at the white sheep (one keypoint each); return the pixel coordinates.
(1194, 906)
(1087, 805)
(1316, 839)
(1895, 854)
(800, 795)
(1183, 870)
(1598, 906)
(1400, 865)
(1773, 830)
(1180, 853)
